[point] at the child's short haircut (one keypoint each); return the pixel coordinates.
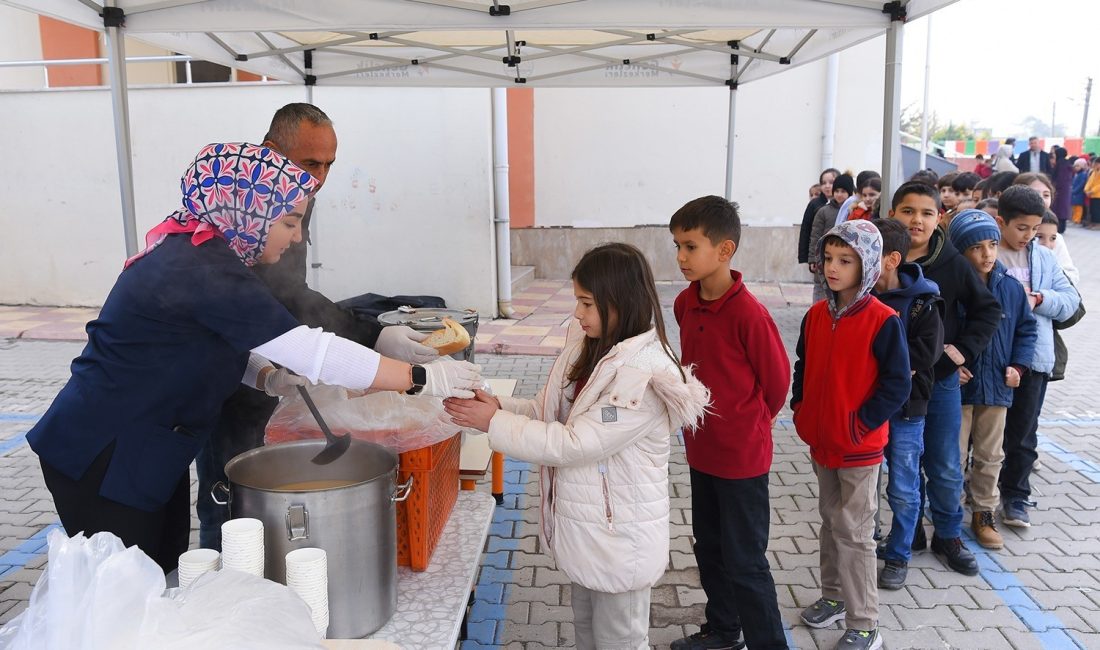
(716, 217)
(873, 182)
(895, 237)
(965, 182)
(915, 187)
(926, 176)
(835, 240)
(988, 203)
(1020, 201)
(998, 183)
(864, 176)
(1050, 218)
(946, 180)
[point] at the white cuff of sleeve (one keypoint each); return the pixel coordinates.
(350, 365)
(256, 363)
(323, 358)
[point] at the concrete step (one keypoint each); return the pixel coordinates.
(521, 277)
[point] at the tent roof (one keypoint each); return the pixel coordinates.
(465, 42)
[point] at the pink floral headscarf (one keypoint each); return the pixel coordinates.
(236, 191)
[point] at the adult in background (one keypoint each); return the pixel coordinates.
(1062, 176)
(304, 134)
(186, 323)
(825, 183)
(1034, 159)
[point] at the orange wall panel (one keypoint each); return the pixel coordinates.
(521, 156)
(60, 40)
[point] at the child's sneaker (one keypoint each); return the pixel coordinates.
(1015, 514)
(893, 575)
(823, 613)
(860, 640)
(705, 639)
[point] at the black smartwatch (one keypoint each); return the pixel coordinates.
(420, 378)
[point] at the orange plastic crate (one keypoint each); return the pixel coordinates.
(421, 517)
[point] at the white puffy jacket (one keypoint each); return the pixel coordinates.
(604, 480)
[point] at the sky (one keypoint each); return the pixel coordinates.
(995, 62)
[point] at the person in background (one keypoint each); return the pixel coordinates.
(851, 375)
(1051, 297)
(988, 206)
(1077, 190)
(1092, 194)
(815, 191)
(926, 176)
(1034, 159)
(992, 377)
(868, 194)
(982, 169)
(601, 428)
(825, 183)
(827, 217)
(1002, 160)
(731, 341)
(185, 323)
(964, 187)
(1061, 174)
(948, 199)
(1042, 184)
(304, 134)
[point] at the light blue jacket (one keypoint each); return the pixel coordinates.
(1060, 300)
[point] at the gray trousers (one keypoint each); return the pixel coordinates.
(605, 621)
(847, 500)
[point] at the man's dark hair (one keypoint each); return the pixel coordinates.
(946, 180)
(864, 176)
(284, 124)
(926, 176)
(1050, 218)
(988, 203)
(965, 182)
(998, 183)
(716, 217)
(895, 236)
(1020, 201)
(915, 187)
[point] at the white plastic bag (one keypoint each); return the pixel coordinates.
(400, 422)
(97, 595)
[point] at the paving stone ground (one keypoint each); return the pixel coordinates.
(1041, 591)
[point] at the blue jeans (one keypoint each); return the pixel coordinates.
(941, 460)
(903, 451)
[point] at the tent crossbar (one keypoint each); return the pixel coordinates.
(399, 61)
(166, 4)
(222, 44)
(618, 61)
(722, 48)
(741, 70)
(311, 46)
(96, 7)
(441, 48)
(551, 50)
(539, 4)
(483, 8)
(870, 5)
(282, 57)
(798, 46)
(395, 62)
(456, 4)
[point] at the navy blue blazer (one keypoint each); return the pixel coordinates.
(169, 346)
(1023, 162)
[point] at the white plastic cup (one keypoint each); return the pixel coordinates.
(307, 576)
(243, 545)
(194, 563)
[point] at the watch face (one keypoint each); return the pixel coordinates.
(419, 375)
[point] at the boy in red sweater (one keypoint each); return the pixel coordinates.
(852, 375)
(737, 352)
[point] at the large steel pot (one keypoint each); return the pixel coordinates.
(356, 524)
(429, 319)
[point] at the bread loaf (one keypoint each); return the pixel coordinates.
(452, 338)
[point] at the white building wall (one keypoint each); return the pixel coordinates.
(19, 41)
(407, 208)
(622, 157)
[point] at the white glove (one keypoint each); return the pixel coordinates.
(403, 343)
(282, 383)
(450, 378)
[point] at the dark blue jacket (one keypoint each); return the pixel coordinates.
(918, 304)
(1077, 189)
(1013, 343)
(169, 346)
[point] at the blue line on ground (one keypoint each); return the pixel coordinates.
(17, 558)
(19, 417)
(13, 442)
(1086, 468)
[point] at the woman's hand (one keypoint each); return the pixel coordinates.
(281, 382)
(473, 413)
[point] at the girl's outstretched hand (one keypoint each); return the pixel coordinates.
(473, 413)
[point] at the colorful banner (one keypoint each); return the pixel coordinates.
(969, 148)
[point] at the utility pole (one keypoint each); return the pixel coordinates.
(1085, 117)
(1053, 112)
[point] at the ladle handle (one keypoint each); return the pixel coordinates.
(317, 415)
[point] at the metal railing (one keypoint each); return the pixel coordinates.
(46, 64)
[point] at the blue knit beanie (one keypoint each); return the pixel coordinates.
(972, 226)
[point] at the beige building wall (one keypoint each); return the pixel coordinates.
(19, 41)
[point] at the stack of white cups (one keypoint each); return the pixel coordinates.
(196, 562)
(243, 546)
(307, 576)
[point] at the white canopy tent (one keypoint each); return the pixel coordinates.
(476, 43)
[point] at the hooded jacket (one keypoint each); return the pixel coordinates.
(918, 304)
(823, 221)
(963, 292)
(1013, 344)
(604, 456)
(1060, 300)
(852, 372)
(807, 225)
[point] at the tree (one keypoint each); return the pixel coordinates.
(1032, 125)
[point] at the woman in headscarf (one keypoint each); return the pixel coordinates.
(1061, 173)
(1002, 161)
(185, 322)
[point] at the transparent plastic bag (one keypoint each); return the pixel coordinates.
(97, 595)
(400, 422)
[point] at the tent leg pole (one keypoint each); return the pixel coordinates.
(891, 115)
(729, 142)
(120, 107)
(502, 217)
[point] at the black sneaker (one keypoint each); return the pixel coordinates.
(1015, 513)
(920, 539)
(705, 639)
(959, 559)
(893, 575)
(823, 613)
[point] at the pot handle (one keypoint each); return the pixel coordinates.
(297, 522)
(404, 490)
(222, 487)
